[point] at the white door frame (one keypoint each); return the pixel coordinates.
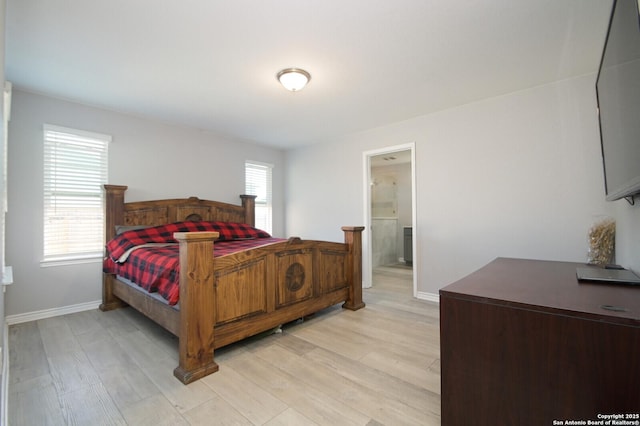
(367, 261)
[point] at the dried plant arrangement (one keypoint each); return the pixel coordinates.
(602, 242)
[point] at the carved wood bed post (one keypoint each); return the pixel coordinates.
(249, 204)
(114, 215)
(353, 238)
(197, 306)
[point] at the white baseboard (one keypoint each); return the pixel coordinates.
(49, 313)
(423, 295)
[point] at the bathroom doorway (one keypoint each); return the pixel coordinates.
(390, 213)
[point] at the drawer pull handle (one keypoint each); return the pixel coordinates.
(614, 308)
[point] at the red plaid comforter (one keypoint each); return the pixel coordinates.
(229, 231)
(157, 269)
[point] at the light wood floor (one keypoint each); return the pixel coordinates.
(376, 366)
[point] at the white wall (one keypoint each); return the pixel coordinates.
(155, 160)
(512, 176)
(628, 234)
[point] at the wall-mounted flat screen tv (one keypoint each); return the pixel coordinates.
(618, 93)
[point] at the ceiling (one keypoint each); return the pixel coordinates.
(212, 64)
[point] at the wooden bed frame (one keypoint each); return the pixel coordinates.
(238, 295)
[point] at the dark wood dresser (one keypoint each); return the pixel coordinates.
(524, 343)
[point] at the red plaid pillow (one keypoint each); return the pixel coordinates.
(230, 231)
(164, 234)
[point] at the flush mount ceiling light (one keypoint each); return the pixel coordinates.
(293, 79)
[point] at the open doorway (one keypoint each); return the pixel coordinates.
(390, 200)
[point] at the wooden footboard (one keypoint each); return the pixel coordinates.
(238, 295)
(243, 294)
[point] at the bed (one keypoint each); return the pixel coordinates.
(233, 295)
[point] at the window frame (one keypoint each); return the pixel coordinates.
(267, 204)
(89, 194)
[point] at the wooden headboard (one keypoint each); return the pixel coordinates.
(160, 212)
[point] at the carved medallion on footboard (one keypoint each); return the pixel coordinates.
(295, 276)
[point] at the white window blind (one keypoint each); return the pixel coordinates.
(258, 182)
(75, 168)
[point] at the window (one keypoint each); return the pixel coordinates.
(75, 168)
(258, 182)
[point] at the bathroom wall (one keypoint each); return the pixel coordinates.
(390, 211)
